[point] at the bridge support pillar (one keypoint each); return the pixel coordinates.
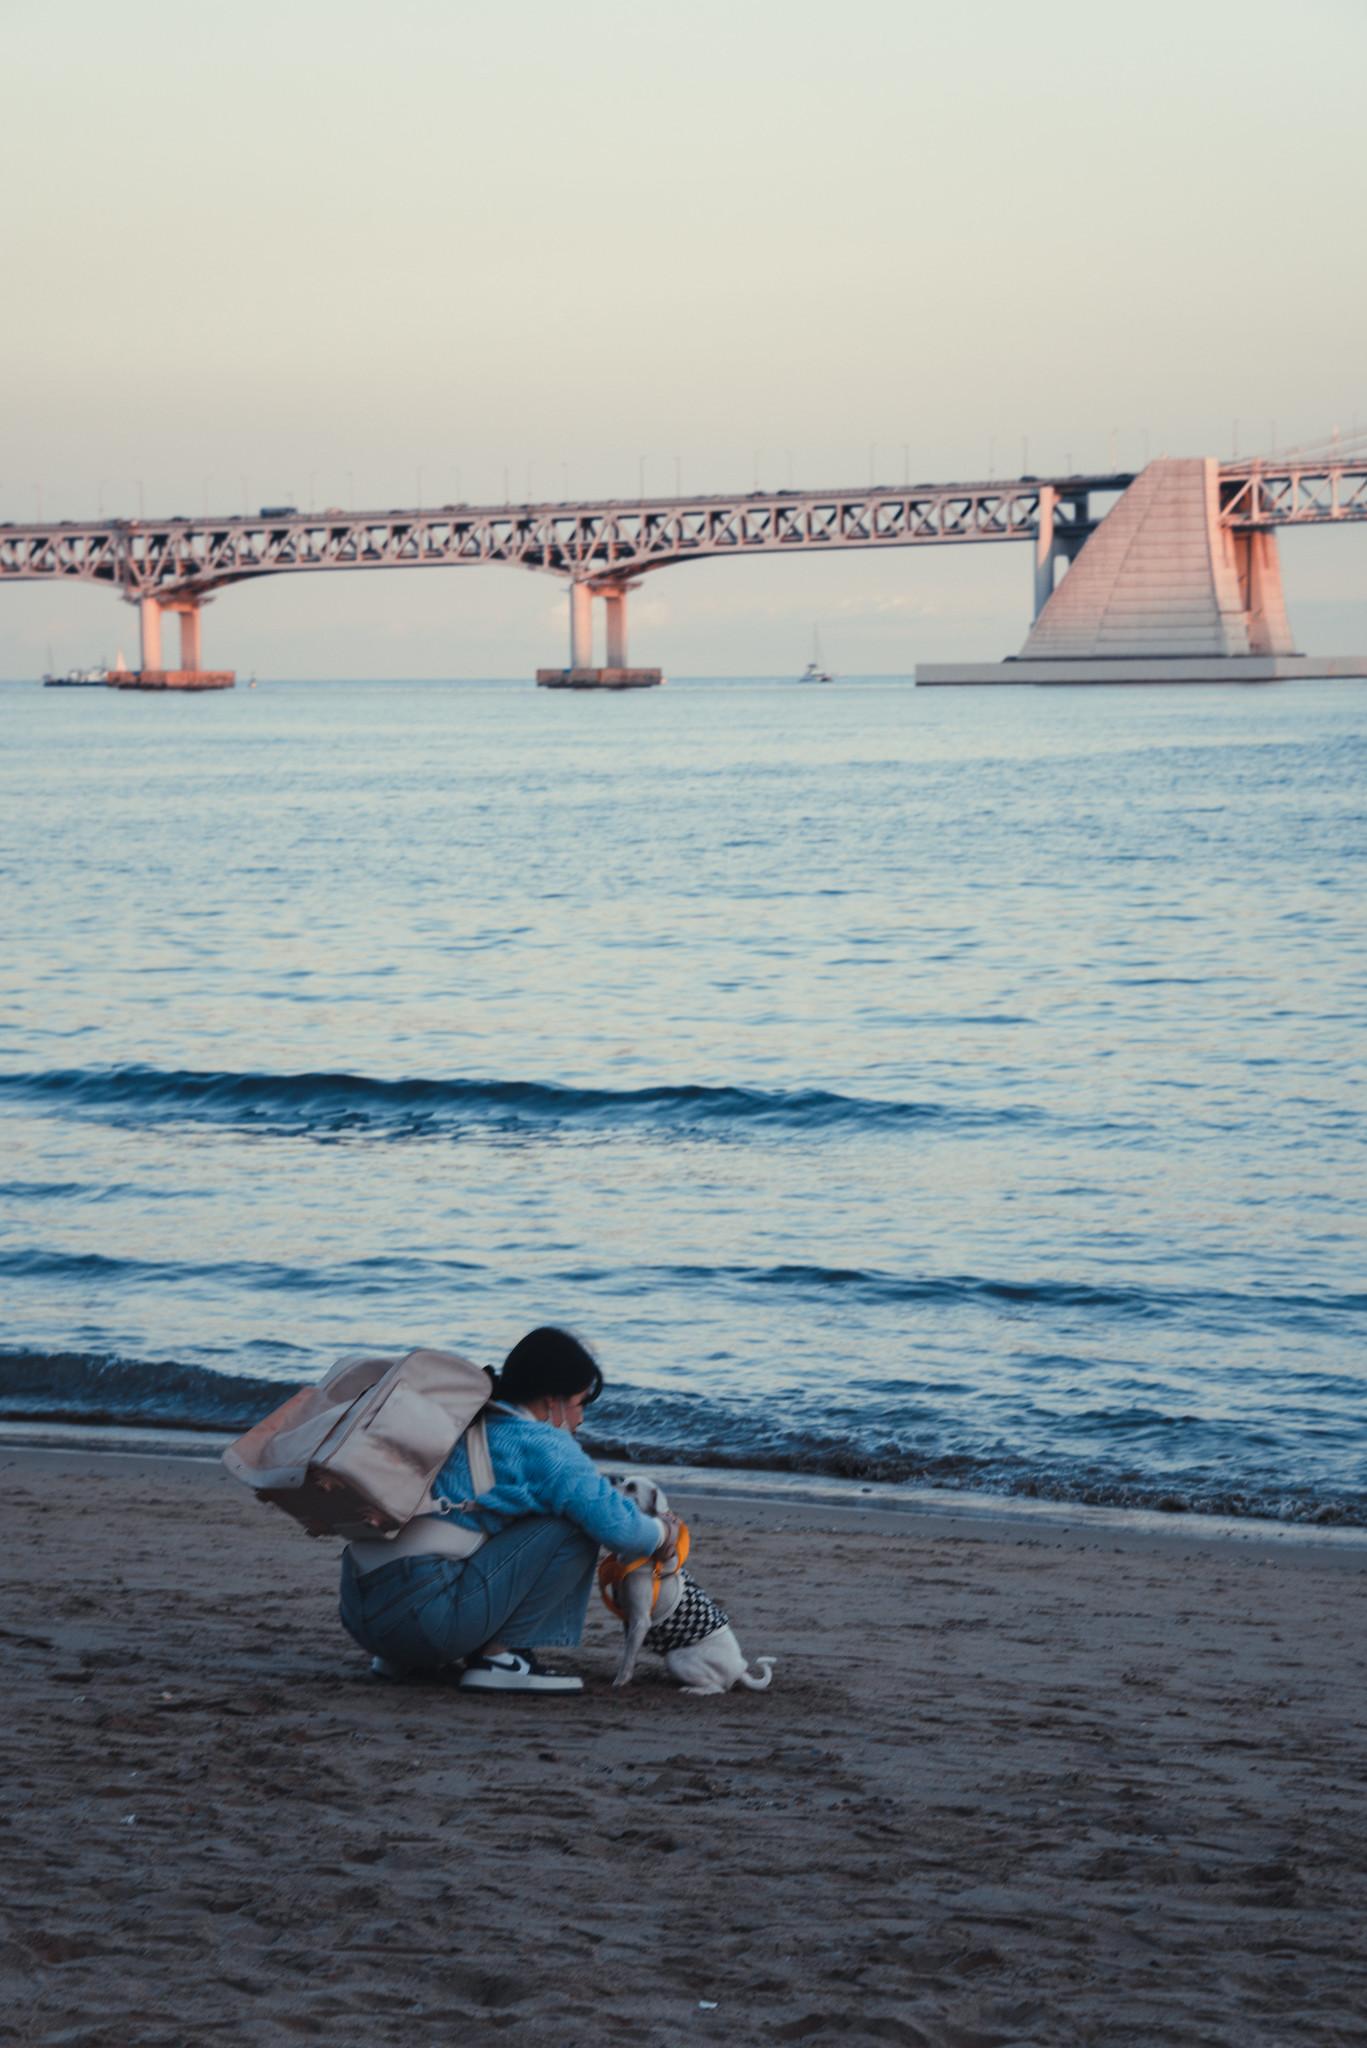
(615, 602)
(1044, 547)
(190, 638)
(150, 674)
(581, 673)
(149, 635)
(1260, 586)
(581, 626)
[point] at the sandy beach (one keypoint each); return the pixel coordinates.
(1015, 1783)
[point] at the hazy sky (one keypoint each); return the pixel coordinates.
(340, 253)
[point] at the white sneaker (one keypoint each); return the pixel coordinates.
(515, 1671)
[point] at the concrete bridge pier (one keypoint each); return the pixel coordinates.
(581, 673)
(149, 674)
(1045, 555)
(1258, 568)
(1054, 545)
(615, 605)
(189, 637)
(149, 635)
(581, 626)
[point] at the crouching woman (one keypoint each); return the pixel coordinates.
(542, 1523)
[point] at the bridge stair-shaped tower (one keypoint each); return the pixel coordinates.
(1163, 589)
(1161, 576)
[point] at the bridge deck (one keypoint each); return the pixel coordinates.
(613, 540)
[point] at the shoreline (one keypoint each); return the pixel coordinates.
(773, 1492)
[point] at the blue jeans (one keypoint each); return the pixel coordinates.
(529, 1584)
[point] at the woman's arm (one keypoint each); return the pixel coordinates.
(575, 1488)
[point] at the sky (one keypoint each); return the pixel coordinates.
(337, 254)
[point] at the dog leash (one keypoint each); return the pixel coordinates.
(612, 1571)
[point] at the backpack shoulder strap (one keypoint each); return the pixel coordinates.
(477, 1451)
(476, 1442)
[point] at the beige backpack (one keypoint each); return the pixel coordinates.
(356, 1455)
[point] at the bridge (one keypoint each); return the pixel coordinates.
(1181, 565)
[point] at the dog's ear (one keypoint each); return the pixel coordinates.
(614, 1478)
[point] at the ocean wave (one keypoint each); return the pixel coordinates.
(1211, 1309)
(332, 1104)
(874, 1286)
(368, 1276)
(85, 1191)
(102, 1388)
(644, 1427)
(647, 1426)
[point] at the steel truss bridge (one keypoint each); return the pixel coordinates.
(604, 547)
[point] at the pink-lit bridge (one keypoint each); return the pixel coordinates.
(1181, 568)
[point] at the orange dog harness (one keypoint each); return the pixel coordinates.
(612, 1571)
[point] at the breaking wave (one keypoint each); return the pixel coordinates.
(329, 1104)
(648, 1426)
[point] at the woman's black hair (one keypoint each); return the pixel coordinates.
(548, 1361)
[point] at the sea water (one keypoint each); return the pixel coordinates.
(955, 1087)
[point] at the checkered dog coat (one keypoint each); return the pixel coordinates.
(697, 1615)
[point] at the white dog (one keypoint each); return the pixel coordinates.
(687, 1628)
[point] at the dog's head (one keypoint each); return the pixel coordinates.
(649, 1497)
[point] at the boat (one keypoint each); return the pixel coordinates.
(96, 678)
(816, 670)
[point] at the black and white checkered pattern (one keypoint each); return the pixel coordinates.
(697, 1615)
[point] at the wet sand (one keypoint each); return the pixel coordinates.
(1015, 1783)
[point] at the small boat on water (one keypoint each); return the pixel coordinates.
(816, 670)
(96, 678)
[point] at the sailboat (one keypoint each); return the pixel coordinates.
(816, 670)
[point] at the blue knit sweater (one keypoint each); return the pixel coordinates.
(540, 1470)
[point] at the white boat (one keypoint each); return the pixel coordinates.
(816, 670)
(79, 678)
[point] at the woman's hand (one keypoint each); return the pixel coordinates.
(672, 1526)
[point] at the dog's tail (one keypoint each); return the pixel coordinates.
(758, 1684)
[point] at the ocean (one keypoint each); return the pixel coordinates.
(958, 1088)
